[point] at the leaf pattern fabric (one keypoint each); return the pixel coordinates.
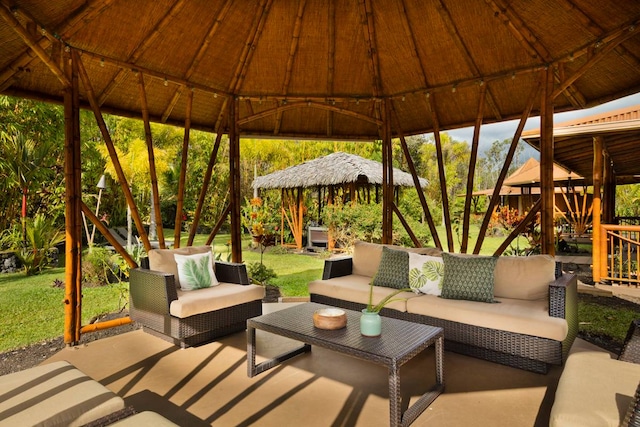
(468, 277)
(195, 271)
(426, 274)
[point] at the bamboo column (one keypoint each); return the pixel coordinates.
(183, 173)
(387, 176)
(234, 176)
(152, 161)
(300, 203)
(205, 186)
(598, 252)
(416, 182)
(546, 165)
(122, 179)
(472, 171)
(73, 223)
(608, 189)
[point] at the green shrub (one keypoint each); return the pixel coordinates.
(101, 267)
(260, 273)
(36, 248)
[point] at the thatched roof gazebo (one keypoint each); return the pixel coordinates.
(337, 170)
(333, 169)
(318, 69)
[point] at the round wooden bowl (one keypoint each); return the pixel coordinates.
(330, 318)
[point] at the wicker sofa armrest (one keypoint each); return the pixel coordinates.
(152, 290)
(337, 267)
(230, 272)
(563, 297)
(630, 351)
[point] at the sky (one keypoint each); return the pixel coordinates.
(505, 130)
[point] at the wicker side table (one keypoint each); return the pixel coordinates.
(400, 342)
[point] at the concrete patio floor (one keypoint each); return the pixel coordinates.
(208, 384)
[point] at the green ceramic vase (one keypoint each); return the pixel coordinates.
(370, 324)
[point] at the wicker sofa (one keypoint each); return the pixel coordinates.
(596, 389)
(191, 317)
(527, 334)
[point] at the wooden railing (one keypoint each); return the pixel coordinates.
(619, 254)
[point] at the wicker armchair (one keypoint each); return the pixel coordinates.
(152, 292)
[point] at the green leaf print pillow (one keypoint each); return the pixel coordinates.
(195, 271)
(425, 274)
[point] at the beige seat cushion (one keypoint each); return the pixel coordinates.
(594, 391)
(355, 288)
(512, 315)
(54, 394)
(526, 278)
(367, 256)
(163, 259)
(224, 295)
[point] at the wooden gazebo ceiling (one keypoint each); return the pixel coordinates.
(620, 133)
(319, 68)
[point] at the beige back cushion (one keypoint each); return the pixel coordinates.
(526, 278)
(163, 259)
(367, 256)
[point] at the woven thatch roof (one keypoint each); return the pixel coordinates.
(334, 169)
(320, 68)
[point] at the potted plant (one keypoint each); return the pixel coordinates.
(370, 321)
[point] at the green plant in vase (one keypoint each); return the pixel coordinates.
(370, 321)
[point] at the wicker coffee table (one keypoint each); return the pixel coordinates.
(400, 342)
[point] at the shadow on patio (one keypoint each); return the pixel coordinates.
(208, 385)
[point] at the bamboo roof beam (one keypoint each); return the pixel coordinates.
(152, 161)
(202, 49)
(28, 39)
(466, 54)
(122, 179)
(598, 31)
(471, 173)
(121, 76)
(331, 61)
(85, 13)
(308, 104)
(526, 37)
(441, 173)
(495, 197)
(147, 41)
(107, 234)
(623, 35)
(249, 47)
(183, 172)
(293, 48)
(219, 223)
(369, 33)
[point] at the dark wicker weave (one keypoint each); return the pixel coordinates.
(508, 348)
(400, 342)
(112, 418)
(151, 294)
(630, 352)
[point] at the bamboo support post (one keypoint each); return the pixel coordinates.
(221, 220)
(94, 327)
(122, 179)
(107, 234)
(73, 235)
(234, 176)
(472, 170)
(152, 161)
(495, 196)
(300, 204)
(205, 187)
(599, 235)
(416, 182)
(547, 186)
(519, 229)
(406, 226)
(183, 173)
(387, 177)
